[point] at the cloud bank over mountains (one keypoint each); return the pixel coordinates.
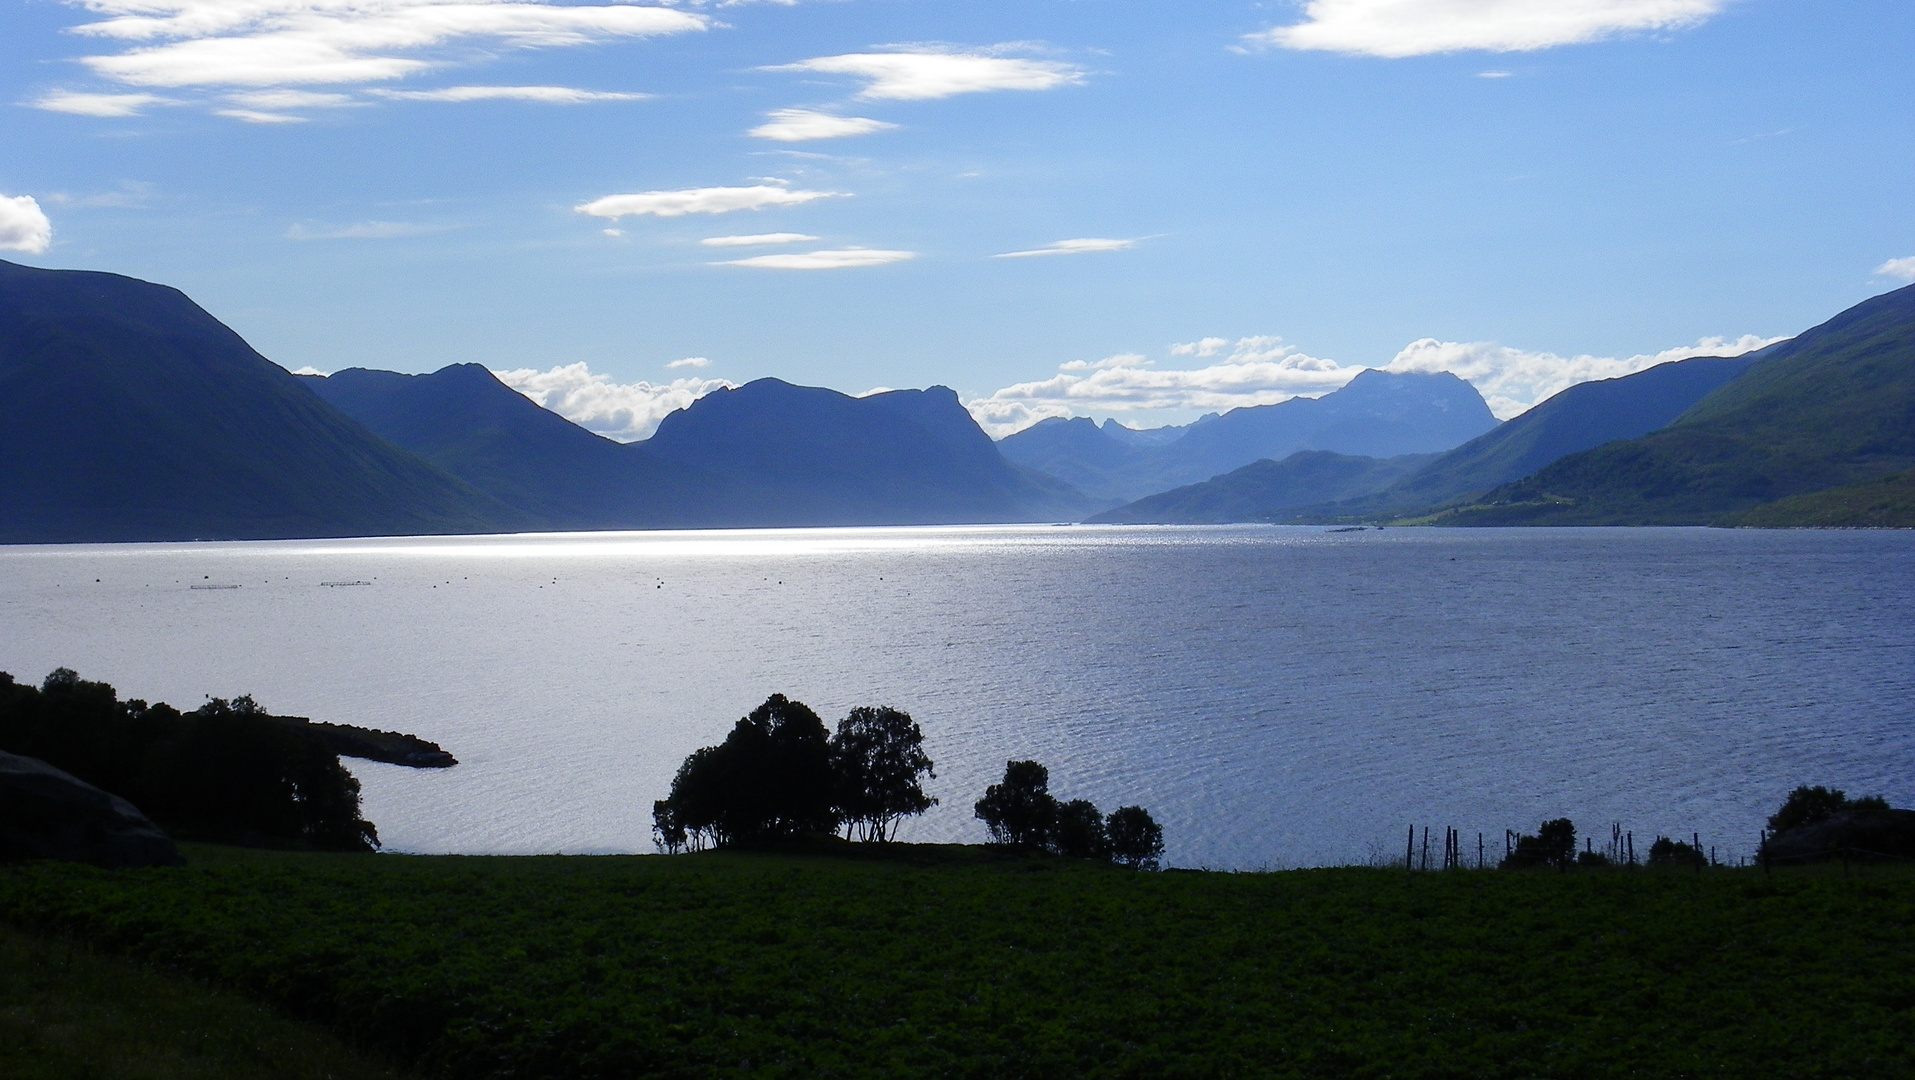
(1265, 371)
(1260, 370)
(621, 411)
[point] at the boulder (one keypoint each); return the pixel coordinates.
(1854, 834)
(48, 814)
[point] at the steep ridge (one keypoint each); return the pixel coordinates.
(805, 455)
(1262, 490)
(1578, 418)
(129, 413)
(1079, 452)
(1834, 406)
(466, 421)
(1377, 414)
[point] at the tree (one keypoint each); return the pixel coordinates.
(1553, 845)
(771, 778)
(1019, 810)
(877, 756)
(1136, 840)
(1808, 805)
(1079, 831)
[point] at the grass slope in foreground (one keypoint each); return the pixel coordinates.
(962, 962)
(69, 1014)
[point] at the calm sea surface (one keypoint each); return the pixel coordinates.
(1275, 696)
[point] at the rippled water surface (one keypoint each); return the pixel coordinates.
(1276, 696)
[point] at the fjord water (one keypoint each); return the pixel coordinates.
(1275, 696)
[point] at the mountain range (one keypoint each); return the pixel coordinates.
(129, 413)
(1376, 414)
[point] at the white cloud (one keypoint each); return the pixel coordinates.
(365, 230)
(804, 125)
(842, 259)
(1512, 380)
(308, 369)
(1399, 28)
(306, 42)
(713, 200)
(23, 225)
(1265, 371)
(757, 238)
(1898, 268)
(290, 99)
(550, 95)
(1256, 371)
(689, 362)
(67, 101)
(1070, 247)
(254, 116)
(622, 411)
(926, 74)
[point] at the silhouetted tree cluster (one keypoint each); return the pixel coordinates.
(1675, 854)
(1553, 845)
(225, 771)
(1808, 805)
(778, 774)
(1020, 811)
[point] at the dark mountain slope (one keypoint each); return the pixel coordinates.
(1832, 407)
(1079, 452)
(1261, 490)
(1583, 416)
(128, 413)
(467, 422)
(810, 456)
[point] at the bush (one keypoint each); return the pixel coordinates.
(1672, 854)
(1553, 845)
(1808, 805)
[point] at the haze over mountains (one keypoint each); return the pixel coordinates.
(128, 413)
(1377, 414)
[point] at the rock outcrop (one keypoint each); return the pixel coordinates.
(48, 814)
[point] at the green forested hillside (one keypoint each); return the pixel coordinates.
(1887, 502)
(1833, 407)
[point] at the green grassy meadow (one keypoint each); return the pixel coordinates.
(964, 962)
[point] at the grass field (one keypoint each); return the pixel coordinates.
(961, 962)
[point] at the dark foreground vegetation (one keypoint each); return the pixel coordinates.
(856, 960)
(226, 771)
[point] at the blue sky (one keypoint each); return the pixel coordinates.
(1228, 202)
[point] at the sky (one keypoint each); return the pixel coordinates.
(1106, 208)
